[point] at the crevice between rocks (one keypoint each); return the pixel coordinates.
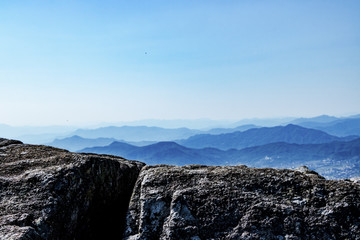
(107, 215)
(108, 219)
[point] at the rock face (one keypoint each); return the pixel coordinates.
(48, 193)
(236, 202)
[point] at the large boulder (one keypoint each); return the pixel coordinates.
(49, 193)
(236, 202)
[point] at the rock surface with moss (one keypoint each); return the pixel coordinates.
(236, 202)
(49, 193)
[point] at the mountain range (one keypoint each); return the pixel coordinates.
(327, 144)
(318, 119)
(340, 127)
(138, 133)
(164, 130)
(75, 143)
(337, 159)
(144, 133)
(161, 153)
(222, 138)
(260, 136)
(138, 136)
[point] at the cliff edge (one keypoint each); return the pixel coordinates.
(236, 202)
(49, 193)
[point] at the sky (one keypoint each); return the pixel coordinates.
(79, 62)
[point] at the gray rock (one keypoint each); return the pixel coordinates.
(48, 193)
(237, 202)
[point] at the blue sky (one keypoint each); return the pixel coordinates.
(78, 62)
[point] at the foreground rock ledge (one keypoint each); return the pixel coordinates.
(237, 202)
(48, 193)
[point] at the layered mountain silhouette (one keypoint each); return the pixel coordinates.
(45, 134)
(337, 159)
(260, 136)
(137, 133)
(76, 143)
(341, 127)
(319, 119)
(144, 133)
(216, 131)
(280, 147)
(284, 154)
(138, 136)
(162, 153)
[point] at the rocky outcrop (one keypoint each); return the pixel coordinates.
(48, 193)
(236, 202)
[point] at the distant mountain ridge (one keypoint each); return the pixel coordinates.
(319, 119)
(341, 127)
(161, 153)
(260, 136)
(75, 143)
(138, 136)
(227, 139)
(241, 128)
(338, 126)
(337, 159)
(139, 133)
(144, 133)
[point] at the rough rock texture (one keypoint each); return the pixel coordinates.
(236, 202)
(48, 193)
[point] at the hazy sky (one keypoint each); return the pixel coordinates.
(71, 62)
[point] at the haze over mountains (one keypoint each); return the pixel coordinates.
(139, 136)
(332, 125)
(327, 144)
(46, 134)
(145, 133)
(221, 138)
(287, 146)
(342, 127)
(75, 143)
(333, 160)
(259, 136)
